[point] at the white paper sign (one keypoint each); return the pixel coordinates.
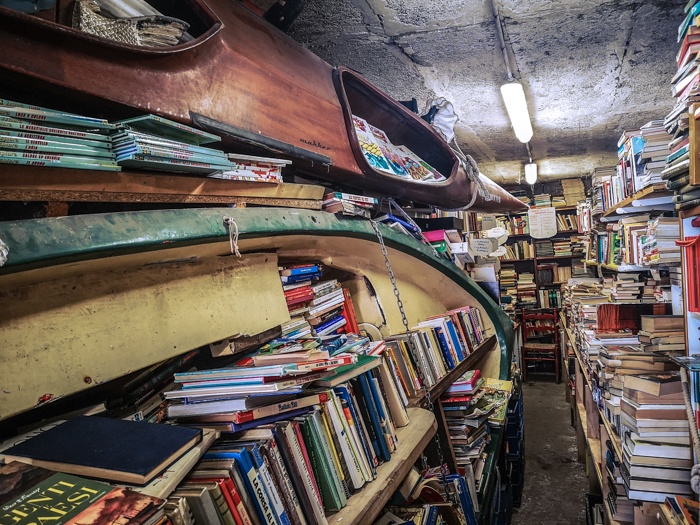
(543, 222)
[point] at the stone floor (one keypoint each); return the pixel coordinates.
(555, 483)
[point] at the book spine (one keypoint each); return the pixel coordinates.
(217, 494)
(286, 406)
(269, 485)
(326, 484)
(353, 197)
(380, 396)
(326, 453)
(396, 406)
(240, 511)
(285, 483)
(444, 347)
(256, 488)
(376, 417)
(336, 453)
(353, 418)
(307, 460)
(347, 452)
(353, 435)
(297, 467)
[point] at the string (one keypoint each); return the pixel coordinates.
(232, 235)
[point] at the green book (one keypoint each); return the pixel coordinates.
(321, 468)
(346, 372)
(327, 453)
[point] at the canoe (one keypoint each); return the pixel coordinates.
(245, 80)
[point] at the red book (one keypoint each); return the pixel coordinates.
(349, 314)
(456, 400)
(226, 493)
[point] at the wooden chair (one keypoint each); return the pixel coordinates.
(540, 339)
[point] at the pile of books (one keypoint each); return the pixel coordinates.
(543, 200)
(527, 289)
(155, 143)
(651, 160)
(435, 346)
(686, 90)
(601, 180)
(566, 222)
(317, 307)
(657, 456)
(562, 247)
(660, 247)
(349, 204)
(253, 169)
(663, 333)
(36, 136)
(626, 287)
(622, 508)
(544, 248)
(509, 290)
(473, 406)
(391, 159)
(574, 191)
(558, 201)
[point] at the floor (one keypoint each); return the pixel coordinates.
(555, 483)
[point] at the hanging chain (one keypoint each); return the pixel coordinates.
(413, 351)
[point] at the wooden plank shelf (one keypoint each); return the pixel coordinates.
(365, 505)
(457, 371)
(34, 183)
(655, 190)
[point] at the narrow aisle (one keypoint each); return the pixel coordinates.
(555, 483)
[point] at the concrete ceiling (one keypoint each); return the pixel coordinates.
(590, 69)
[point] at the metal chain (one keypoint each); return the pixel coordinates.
(391, 202)
(404, 319)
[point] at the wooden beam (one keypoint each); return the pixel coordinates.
(31, 183)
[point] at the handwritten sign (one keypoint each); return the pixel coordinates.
(482, 247)
(543, 222)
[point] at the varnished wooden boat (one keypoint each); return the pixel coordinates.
(244, 79)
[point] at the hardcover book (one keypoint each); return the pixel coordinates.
(107, 448)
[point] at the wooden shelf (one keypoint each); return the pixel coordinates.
(549, 257)
(462, 367)
(518, 260)
(365, 505)
(33, 183)
(656, 190)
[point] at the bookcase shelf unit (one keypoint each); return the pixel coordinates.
(530, 264)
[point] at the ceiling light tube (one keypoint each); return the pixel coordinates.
(531, 173)
(516, 105)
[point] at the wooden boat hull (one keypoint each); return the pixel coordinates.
(241, 77)
(91, 298)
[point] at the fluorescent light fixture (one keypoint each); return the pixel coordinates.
(516, 105)
(531, 173)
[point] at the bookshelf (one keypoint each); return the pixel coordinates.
(566, 217)
(366, 505)
(653, 195)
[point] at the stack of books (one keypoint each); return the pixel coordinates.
(651, 160)
(253, 169)
(663, 333)
(544, 248)
(558, 201)
(509, 290)
(517, 251)
(660, 247)
(151, 142)
(527, 289)
(621, 506)
(349, 204)
(656, 441)
(324, 307)
(37, 136)
(543, 200)
(562, 247)
(626, 287)
(602, 179)
(574, 191)
(473, 406)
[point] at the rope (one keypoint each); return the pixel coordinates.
(695, 472)
(232, 235)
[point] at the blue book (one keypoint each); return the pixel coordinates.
(329, 324)
(465, 500)
(461, 351)
(383, 416)
(374, 415)
(292, 279)
(444, 347)
(244, 462)
(432, 517)
(302, 270)
(346, 401)
(238, 427)
(268, 484)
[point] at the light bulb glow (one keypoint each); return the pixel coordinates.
(531, 173)
(516, 106)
